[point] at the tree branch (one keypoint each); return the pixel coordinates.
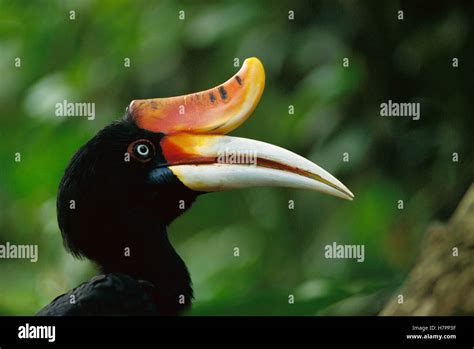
(442, 282)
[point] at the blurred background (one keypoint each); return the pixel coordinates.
(336, 111)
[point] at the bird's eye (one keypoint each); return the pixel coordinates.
(142, 150)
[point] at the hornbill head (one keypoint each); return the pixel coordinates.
(136, 175)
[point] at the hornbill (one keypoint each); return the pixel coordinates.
(123, 188)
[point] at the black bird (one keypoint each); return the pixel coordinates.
(128, 183)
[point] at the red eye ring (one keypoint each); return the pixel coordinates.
(142, 150)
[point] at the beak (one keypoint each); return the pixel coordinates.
(204, 159)
(218, 110)
(214, 163)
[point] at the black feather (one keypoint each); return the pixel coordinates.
(115, 213)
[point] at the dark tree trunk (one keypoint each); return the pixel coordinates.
(442, 281)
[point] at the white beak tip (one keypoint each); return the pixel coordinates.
(350, 195)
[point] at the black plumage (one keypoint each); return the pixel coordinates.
(111, 294)
(114, 212)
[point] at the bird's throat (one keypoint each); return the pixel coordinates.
(150, 256)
